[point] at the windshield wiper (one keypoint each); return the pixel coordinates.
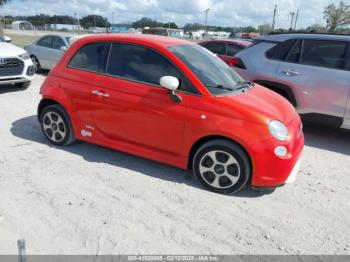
(221, 87)
(244, 84)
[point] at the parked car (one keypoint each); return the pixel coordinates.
(172, 101)
(226, 49)
(6, 39)
(176, 33)
(310, 70)
(47, 50)
(15, 65)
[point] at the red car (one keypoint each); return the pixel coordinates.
(226, 49)
(172, 101)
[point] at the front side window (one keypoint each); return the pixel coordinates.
(215, 74)
(57, 43)
(45, 42)
(217, 48)
(329, 54)
(142, 64)
(92, 57)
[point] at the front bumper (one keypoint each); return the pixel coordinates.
(270, 170)
(26, 75)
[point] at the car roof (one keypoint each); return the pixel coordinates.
(163, 41)
(234, 41)
(59, 35)
(285, 37)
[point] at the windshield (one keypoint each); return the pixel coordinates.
(215, 74)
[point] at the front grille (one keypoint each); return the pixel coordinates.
(11, 66)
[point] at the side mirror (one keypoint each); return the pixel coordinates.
(172, 84)
(63, 48)
(169, 82)
(7, 39)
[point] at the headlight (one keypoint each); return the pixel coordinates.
(278, 130)
(24, 56)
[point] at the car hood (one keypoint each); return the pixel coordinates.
(259, 105)
(9, 50)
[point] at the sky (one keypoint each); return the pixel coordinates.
(222, 12)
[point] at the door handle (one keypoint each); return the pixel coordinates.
(290, 72)
(98, 93)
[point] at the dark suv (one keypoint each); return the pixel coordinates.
(310, 70)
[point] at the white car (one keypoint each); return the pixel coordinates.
(16, 67)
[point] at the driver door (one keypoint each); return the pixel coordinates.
(129, 106)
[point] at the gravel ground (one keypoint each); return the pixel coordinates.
(85, 199)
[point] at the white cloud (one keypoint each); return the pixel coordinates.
(222, 12)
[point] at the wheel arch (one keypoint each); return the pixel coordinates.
(206, 139)
(282, 89)
(47, 102)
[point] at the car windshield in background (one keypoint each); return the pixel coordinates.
(218, 77)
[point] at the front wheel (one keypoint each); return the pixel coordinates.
(56, 126)
(36, 63)
(222, 166)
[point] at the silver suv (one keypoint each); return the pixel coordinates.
(312, 71)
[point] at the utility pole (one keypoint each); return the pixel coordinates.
(95, 21)
(291, 22)
(206, 20)
(112, 18)
(76, 29)
(296, 20)
(274, 18)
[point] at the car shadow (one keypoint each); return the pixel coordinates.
(43, 72)
(10, 89)
(327, 138)
(28, 128)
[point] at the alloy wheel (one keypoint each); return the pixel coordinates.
(54, 127)
(219, 169)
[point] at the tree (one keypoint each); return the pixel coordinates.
(146, 22)
(316, 28)
(2, 2)
(265, 29)
(171, 25)
(337, 16)
(94, 21)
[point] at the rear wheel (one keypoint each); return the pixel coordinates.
(222, 166)
(56, 125)
(24, 85)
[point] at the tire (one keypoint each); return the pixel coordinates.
(23, 85)
(36, 63)
(222, 166)
(56, 125)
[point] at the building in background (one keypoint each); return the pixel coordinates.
(63, 27)
(176, 33)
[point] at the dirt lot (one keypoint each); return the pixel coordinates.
(85, 199)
